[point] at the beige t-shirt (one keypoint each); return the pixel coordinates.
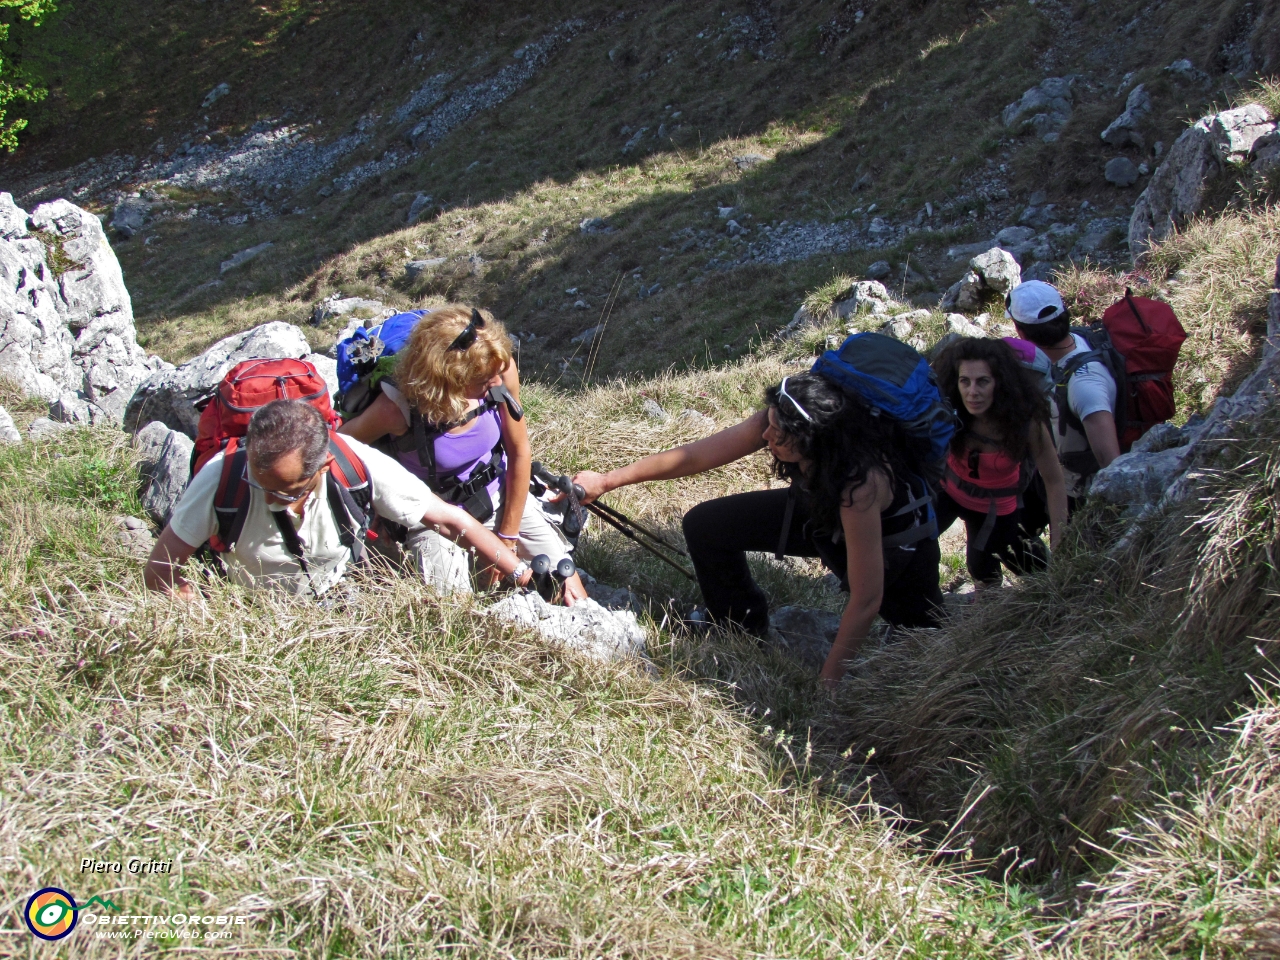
(259, 556)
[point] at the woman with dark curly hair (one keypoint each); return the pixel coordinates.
(1003, 440)
(855, 502)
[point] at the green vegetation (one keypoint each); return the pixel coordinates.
(17, 81)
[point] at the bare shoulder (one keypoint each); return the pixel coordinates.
(872, 496)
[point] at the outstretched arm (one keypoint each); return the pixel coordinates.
(163, 569)
(1055, 485)
(860, 520)
(459, 526)
(728, 445)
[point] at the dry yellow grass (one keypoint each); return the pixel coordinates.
(389, 773)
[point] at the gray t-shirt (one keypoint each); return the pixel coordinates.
(1090, 390)
(259, 557)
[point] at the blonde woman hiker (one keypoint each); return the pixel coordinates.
(450, 413)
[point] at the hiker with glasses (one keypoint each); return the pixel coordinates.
(292, 530)
(449, 411)
(1003, 442)
(856, 501)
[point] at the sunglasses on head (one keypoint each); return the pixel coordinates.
(782, 391)
(468, 335)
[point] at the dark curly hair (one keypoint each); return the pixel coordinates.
(1019, 399)
(846, 442)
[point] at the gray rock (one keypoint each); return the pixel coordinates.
(697, 419)
(9, 432)
(914, 316)
(969, 250)
(170, 396)
(44, 429)
(1123, 130)
(962, 326)
(72, 409)
(416, 268)
(1265, 155)
(1163, 436)
(804, 632)
(586, 626)
(588, 335)
(1012, 236)
(994, 272)
(635, 140)
(1186, 72)
(1138, 478)
(13, 219)
(653, 410)
(803, 317)
(1044, 108)
(327, 367)
(593, 225)
(1040, 270)
(1196, 159)
(879, 270)
(898, 328)
(1236, 131)
(242, 257)
(70, 335)
(338, 306)
(998, 269)
(748, 160)
(164, 467)
(132, 534)
(129, 216)
(1121, 171)
(214, 95)
(734, 228)
(420, 203)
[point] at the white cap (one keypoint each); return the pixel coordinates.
(1034, 302)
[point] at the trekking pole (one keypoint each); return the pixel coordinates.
(620, 522)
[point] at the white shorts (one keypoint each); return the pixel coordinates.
(445, 565)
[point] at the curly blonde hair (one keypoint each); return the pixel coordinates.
(434, 378)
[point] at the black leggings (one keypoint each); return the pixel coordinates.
(720, 533)
(1007, 542)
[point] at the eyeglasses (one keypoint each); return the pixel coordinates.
(468, 335)
(782, 389)
(283, 497)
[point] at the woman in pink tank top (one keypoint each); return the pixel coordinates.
(1003, 446)
(444, 416)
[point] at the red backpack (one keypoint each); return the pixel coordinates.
(1148, 335)
(1138, 341)
(224, 419)
(251, 384)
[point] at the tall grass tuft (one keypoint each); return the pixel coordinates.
(1050, 712)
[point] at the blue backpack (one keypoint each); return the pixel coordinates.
(893, 378)
(367, 356)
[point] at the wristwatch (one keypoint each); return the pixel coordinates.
(520, 570)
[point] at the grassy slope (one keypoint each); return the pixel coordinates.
(388, 774)
(439, 743)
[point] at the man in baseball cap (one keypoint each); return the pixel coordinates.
(1085, 429)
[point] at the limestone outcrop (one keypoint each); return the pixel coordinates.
(66, 320)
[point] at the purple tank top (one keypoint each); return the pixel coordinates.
(461, 454)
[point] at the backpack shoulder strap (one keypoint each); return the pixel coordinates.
(231, 501)
(350, 496)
